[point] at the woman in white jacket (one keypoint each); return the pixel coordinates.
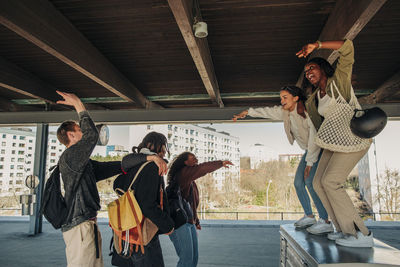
(299, 127)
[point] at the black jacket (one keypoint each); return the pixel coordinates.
(147, 193)
(78, 171)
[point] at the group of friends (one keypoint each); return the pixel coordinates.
(323, 172)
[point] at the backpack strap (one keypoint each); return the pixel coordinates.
(137, 173)
(134, 179)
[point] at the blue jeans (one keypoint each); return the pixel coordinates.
(186, 245)
(300, 185)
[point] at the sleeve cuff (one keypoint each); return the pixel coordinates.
(250, 112)
(83, 114)
(346, 47)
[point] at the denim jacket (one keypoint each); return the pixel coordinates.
(80, 173)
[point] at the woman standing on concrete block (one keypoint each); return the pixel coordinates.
(330, 107)
(299, 127)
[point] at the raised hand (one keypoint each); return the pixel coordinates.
(226, 163)
(71, 100)
(306, 50)
(241, 115)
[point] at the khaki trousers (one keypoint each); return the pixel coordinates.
(80, 246)
(332, 172)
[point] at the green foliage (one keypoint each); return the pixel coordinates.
(294, 162)
(259, 200)
(107, 158)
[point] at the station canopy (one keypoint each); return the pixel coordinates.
(138, 60)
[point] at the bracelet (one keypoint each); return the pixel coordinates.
(319, 44)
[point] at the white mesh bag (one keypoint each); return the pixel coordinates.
(334, 133)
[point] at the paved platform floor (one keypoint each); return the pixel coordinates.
(221, 243)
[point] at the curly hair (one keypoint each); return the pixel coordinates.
(177, 164)
(325, 66)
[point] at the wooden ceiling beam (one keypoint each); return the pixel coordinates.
(182, 11)
(154, 116)
(8, 105)
(42, 24)
(387, 89)
(22, 82)
(347, 19)
(18, 80)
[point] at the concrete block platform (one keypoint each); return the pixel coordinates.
(298, 247)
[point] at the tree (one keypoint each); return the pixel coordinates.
(389, 193)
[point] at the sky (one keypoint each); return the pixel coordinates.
(272, 135)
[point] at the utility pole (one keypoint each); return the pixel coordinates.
(269, 183)
(377, 180)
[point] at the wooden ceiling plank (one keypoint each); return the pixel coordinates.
(22, 82)
(42, 24)
(386, 90)
(198, 48)
(18, 80)
(347, 19)
(8, 105)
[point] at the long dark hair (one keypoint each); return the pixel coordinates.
(325, 66)
(153, 141)
(177, 165)
(297, 91)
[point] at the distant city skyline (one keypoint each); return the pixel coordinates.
(272, 135)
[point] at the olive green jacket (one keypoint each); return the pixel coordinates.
(342, 78)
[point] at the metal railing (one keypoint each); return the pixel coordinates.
(283, 215)
(246, 215)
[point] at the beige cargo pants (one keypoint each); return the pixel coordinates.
(80, 246)
(332, 172)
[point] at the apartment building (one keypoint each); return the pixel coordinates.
(205, 142)
(259, 153)
(17, 152)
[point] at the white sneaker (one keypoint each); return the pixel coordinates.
(321, 227)
(361, 241)
(335, 235)
(305, 221)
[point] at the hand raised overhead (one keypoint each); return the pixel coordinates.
(306, 50)
(71, 100)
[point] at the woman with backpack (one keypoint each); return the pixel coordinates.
(148, 187)
(298, 127)
(183, 172)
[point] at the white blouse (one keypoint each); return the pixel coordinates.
(323, 103)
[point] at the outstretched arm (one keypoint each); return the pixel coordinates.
(133, 159)
(192, 173)
(104, 170)
(309, 48)
(274, 113)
